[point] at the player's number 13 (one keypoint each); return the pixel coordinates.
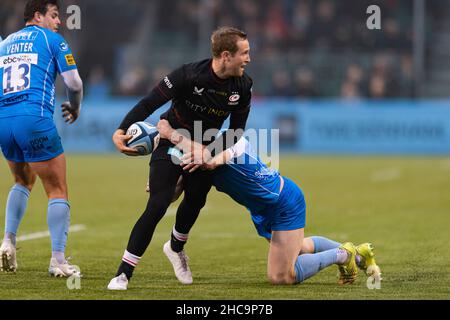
(16, 78)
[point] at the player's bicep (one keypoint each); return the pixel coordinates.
(238, 118)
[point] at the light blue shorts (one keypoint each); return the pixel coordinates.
(288, 214)
(29, 139)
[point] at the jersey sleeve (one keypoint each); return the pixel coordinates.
(63, 54)
(238, 118)
(239, 148)
(247, 99)
(173, 84)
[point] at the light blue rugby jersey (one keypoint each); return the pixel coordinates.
(30, 60)
(247, 179)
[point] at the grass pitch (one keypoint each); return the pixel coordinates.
(401, 205)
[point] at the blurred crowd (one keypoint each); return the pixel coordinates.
(300, 48)
(308, 48)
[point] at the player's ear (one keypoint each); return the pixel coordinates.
(38, 17)
(226, 55)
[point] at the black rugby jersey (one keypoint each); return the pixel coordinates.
(197, 94)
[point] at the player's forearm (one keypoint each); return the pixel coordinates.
(143, 109)
(225, 141)
(182, 142)
(190, 146)
(74, 86)
(75, 98)
(219, 160)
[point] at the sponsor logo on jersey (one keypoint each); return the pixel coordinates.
(195, 107)
(38, 143)
(207, 110)
(218, 112)
(219, 93)
(18, 58)
(26, 35)
(168, 83)
(70, 60)
(63, 46)
(265, 173)
(198, 91)
(16, 99)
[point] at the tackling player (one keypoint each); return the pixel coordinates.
(277, 208)
(206, 92)
(30, 60)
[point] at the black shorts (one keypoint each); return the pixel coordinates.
(165, 172)
(161, 151)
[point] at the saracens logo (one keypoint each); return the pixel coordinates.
(234, 98)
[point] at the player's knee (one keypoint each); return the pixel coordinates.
(58, 193)
(159, 202)
(280, 278)
(196, 201)
(26, 183)
(307, 246)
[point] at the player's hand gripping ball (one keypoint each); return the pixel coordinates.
(145, 137)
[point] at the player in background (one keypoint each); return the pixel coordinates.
(278, 210)
(206, 92)
(30, 60)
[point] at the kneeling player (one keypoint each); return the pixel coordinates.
(277, 208)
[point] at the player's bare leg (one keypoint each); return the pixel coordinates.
(285, 266)
(53, 176)
(283, 253)
(22, 174)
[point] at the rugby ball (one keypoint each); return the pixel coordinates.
(145, 137)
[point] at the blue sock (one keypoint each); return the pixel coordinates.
(324, 244)
(58, 219)
(308, 265)
(15, 210)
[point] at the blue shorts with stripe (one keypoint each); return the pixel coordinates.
(289, 213)
(29, 139)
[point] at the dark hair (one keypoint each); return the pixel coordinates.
(40, 6)
(225, 39)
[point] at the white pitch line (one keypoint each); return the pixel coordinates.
(386, 175)
(45, 234)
